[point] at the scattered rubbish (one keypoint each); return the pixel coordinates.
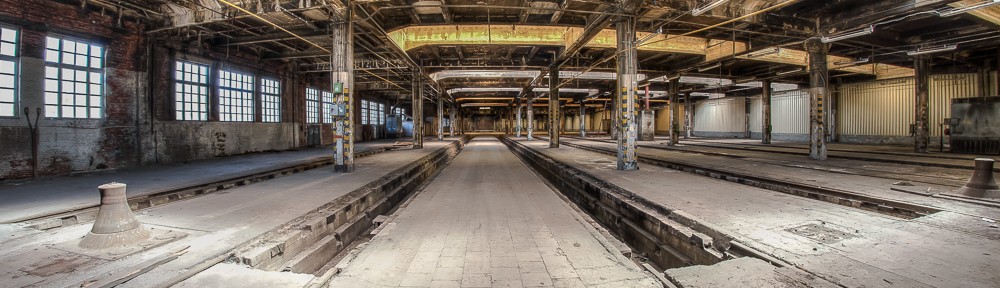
(902, 183)
(989, 220)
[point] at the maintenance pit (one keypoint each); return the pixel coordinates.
(458, 143)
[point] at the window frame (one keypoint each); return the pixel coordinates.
(87, 70)
(327, 100)
(312, 111)
(206, 87)
(15, 59)
(235, 112)
(275, 112)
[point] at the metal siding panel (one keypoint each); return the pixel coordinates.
(944, 88)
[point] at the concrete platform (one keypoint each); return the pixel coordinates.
(488, 221)
(870, 178)
(844, 245)
(216, 224)
(27, 199)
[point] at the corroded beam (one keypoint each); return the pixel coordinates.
(713, 49)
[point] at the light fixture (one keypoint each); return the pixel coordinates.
(743, 80)
(953, 12)
(484, 108)
(789, 72)
(709, 67)
(855, 62)
(857, 33)
(708, 7)
(763, 52)
(932, 49)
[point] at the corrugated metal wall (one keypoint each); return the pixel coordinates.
(885, 107)
(789, 112)
(720, 115)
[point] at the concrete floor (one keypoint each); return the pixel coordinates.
(25, 199)
(216, 223)
(956, 249)
(488, 221)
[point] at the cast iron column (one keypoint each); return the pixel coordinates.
(451, 120)
(531, 116)
(688, 115)
(626, 91)
(517, 126)
(921, 68)
(583, 119)
(555, 122)
(818, 79)
(342, 71)
(675, 127)
(765, 99)
(418, 111)
(440, 117)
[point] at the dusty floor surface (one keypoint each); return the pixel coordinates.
(488, 221)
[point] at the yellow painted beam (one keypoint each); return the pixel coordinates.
(713, 49)
(990, 14)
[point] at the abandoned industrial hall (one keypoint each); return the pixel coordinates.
(500, 143)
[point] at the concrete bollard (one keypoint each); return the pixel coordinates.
(983, 183)
(115, 225)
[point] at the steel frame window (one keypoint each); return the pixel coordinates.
(236, 96)
(312, 105)
(364, 112)
(8, 71)
(270, 100)
(191, 91)
(381, 114)
(74, 78)
(328, 103)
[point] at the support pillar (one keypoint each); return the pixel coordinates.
(342, 72)
(531, 117)
(675, 127)
(440, 117)
(688, 115)
(818, 80)
(746, 117)
(555, 122)
(517, 126)
(765, 99)
(627, 83)
(583, 119)
(451, 120)
(921, 133)
(418, 111)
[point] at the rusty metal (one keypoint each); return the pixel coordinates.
(553, 117)
(115, 225)
(766, 113)
(33, 130)
(627, 85)
(983, 183)
(818, 80)
(921, 93)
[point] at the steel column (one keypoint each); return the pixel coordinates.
(921, 135)
(342, 71)
(818, 80)
(627, 83)
(531, 116)
(555, 124)
(688, 115)
(517, 126)
(451, 121)
(765, 98)
(675, 127)
(440, 117)
(583, 119)
(418, 110)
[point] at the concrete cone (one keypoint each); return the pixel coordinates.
(115, 225)
(982, 184)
